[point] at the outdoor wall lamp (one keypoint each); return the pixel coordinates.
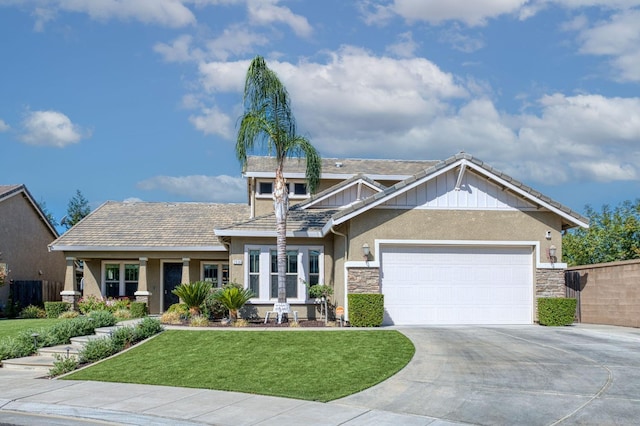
(552, 254)
(365, 251)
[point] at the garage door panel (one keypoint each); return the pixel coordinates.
(457, 285)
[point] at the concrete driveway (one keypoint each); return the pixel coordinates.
(526, 375)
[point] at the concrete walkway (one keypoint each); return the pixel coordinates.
(527, 375)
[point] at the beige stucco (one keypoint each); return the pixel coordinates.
(24, 239)
(450, 225)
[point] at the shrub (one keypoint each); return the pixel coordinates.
(97, 349)
(171, 318)
(62, 332)
(63, 364)
(55, 309)
(33, 311)
(17, 347)
(240, 323)
(91, 303)
(122, 314)
(102, 318)
(212, 308)
(138, 309)
(193, 294)
(179, 308)
(199, 321)
(122, 338)
(555, 311)
(366, 310)
(69, 314)
(117, 304)
(147, 328)
(233, 298)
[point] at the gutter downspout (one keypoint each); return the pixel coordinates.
(346, 242)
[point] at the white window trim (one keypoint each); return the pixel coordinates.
(122, 283)
(265, 272)
(290, 184)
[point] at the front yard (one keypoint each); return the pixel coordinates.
(311, 365)
(11, 327)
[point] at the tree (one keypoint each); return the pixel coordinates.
(77, 209)
(268, 123)
(47, 213)
(613, 234)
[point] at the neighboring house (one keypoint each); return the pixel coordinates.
(25, 233)
(446, 242)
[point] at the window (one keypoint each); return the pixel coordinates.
(210, 274)
(265, 188)
(314, 267)
(120, 279)
(254, 272)
(299, 189)
(215, 273)
(291, 274)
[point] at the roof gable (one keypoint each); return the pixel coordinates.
(8, 191)
(460, 163)
(343, 194)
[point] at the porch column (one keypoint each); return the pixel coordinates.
(70, 294)
(142, 295)
(185, 271)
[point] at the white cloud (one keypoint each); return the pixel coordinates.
(472, 13)
(132, 200)
(4, 126)
(212, 121)
(266, 12)
(405, 47)
(459, 41)
(618, 38)
(221, 188)
(42, 16)
(235, 40)
(51, 128)
(179, 50)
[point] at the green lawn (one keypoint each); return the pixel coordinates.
(10, 328)
(311, 365)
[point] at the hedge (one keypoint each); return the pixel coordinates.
(55, 309)
(366, 310)
(555, 311)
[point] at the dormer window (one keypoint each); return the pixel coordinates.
(296, 189)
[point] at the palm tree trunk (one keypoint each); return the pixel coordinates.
(281, 204)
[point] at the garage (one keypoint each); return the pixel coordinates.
(457, 284)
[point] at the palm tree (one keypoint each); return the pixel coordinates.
(233, 298)
(268, 122)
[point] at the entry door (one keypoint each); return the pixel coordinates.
(172, 275)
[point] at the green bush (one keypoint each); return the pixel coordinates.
(117, 304)
(147, 328)
(138, 309)
(63, 364)
(97, 349)
(555, 311)
(366, 310)
(233, 298)
(55, 309)
(102, 318)
(62, 332)
(179, 308)
(193, 294)
(122, 337)
(91, 303)
(33, 311)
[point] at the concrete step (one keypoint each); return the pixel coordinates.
(81, 340)
(64, 350)
(36, 362)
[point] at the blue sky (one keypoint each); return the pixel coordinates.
(139, 99)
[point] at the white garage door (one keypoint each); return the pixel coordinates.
(457, 285)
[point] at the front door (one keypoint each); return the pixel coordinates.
(172, 276)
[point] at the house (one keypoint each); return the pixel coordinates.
(446, 242)
(25, 233)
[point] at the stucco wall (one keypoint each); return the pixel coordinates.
(453, 225)
(610, 293)
(24, 238)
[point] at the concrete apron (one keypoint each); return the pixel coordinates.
(528, 375)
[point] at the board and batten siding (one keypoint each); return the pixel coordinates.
(474, 193)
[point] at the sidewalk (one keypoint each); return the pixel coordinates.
(118, 403)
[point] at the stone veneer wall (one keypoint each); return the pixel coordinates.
(363, 280)
(550, 283)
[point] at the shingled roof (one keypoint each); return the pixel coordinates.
(151, 226)
(300, 223)
(263, 166)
